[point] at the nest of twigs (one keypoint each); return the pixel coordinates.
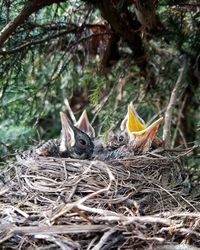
(145, 202)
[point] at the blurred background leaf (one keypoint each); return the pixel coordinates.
(65, 51)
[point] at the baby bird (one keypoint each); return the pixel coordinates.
(136, 137)
(116, 139)
(84, 125)
(136, 124)
(140, 141)
(73, 143)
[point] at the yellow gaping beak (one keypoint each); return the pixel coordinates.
(134, 121)
(142, 140)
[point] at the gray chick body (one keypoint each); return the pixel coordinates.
(82, 148)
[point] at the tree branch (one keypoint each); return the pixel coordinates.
(29, 8)
(35, 42)
(48, 38)
(172, 102)
(127, 28)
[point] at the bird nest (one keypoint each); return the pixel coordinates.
(144, 202)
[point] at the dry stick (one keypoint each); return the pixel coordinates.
(63, 242)
(78, 204)
(181, 230)
(184, 214)
(101, 105)
(172, 102)
(58, 229)
(15, 209)
(119, 88)
(92, 242)
(128, 220)
(104, 239)
(178, 123)
(182, 136)
(159, 239)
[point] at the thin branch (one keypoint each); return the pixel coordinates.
(179, 123)
(119, 88)
(186, 5)
(104, 239)
(29, 8)
(126, 29)
(48, 38)
(172, 103)
(35, 42)
(58, 229)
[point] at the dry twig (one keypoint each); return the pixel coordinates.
(69, 203)
(172, 103)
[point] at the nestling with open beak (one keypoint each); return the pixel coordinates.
(73, 143)
(137, 137)
(131, 122)
(140, 141)
(136, 124)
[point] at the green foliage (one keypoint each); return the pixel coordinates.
(14, 137)
(36, 80)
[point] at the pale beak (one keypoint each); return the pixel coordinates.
(67, 133)
(141, 140)
(134, 121)
(84, 125)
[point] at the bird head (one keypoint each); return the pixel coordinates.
(116, 139)
(84, 125)
(140, 141)
(74, 142)
(131, 122)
